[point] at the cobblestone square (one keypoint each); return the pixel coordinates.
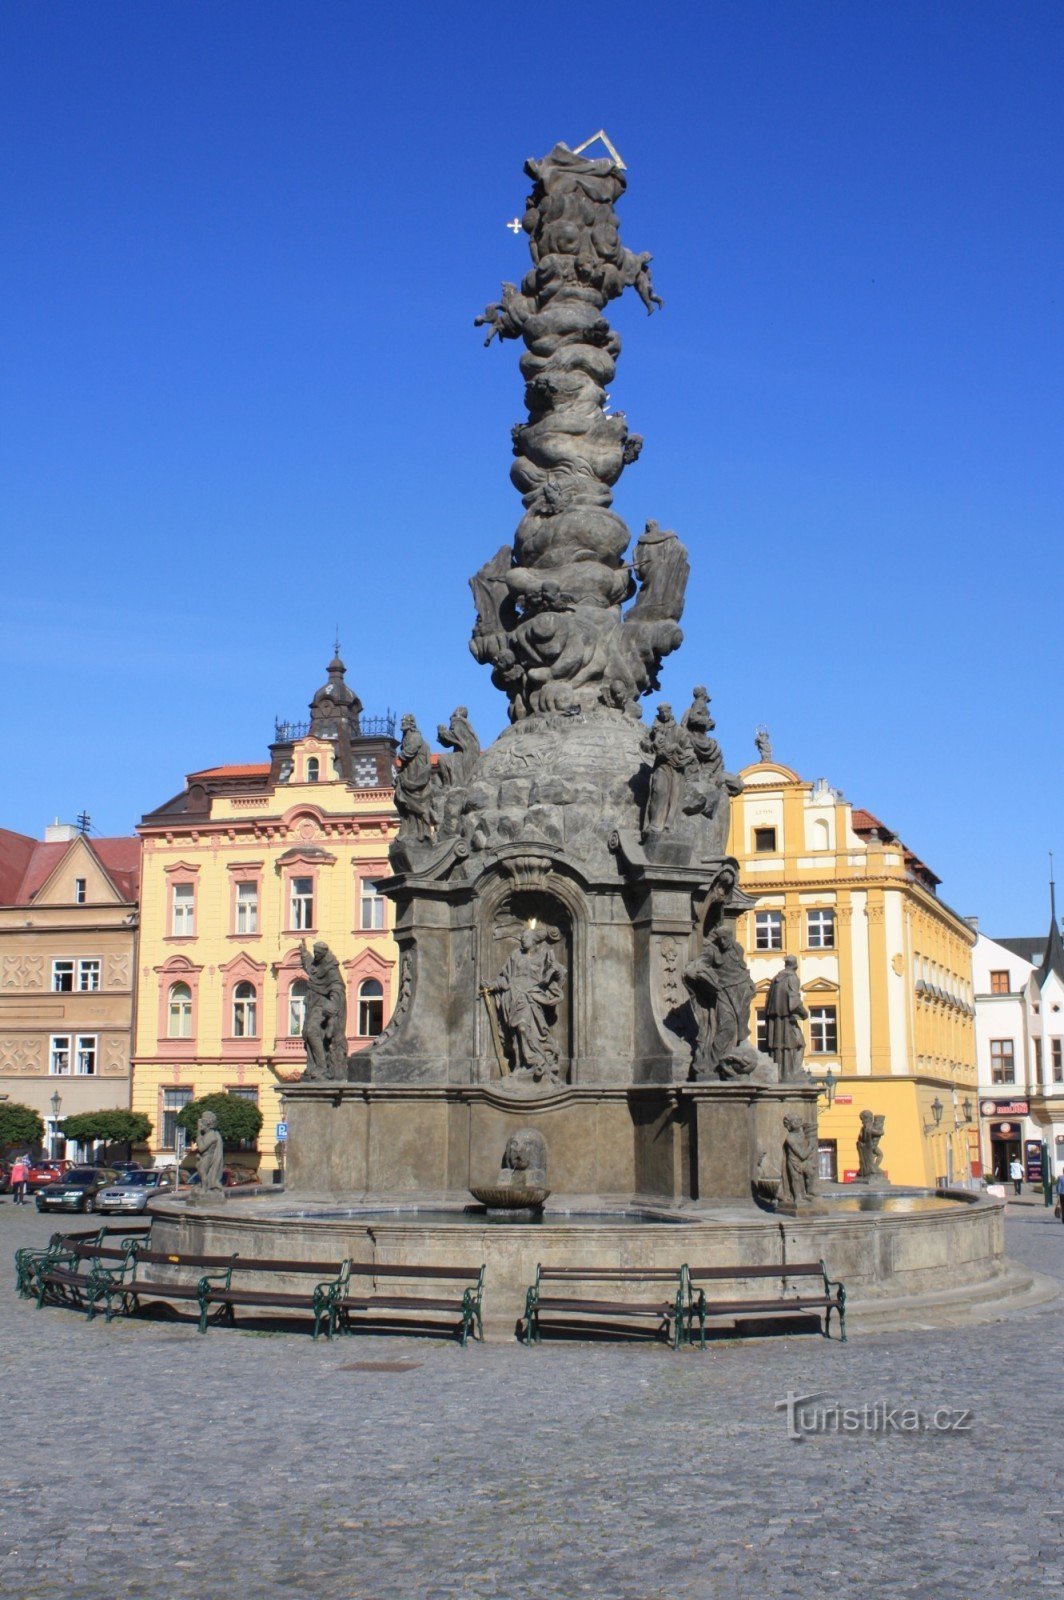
(142, 1459)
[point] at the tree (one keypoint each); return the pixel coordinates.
(107, 1127)
(19, 1125)
(239, 1120)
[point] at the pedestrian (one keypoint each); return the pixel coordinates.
(20, 1173)
(1060, 1195)
(1016, 1174)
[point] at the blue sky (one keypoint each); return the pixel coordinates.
(244, 403)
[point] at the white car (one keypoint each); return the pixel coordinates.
(131, 1193)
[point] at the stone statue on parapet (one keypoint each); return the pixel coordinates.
(457, 735)
(763, 743)
(869, 1155)
(799, 1161)
(414, 798)
(721, 991)
(784, 1012)
(324, 1014)
(525, 999)
(669, 746)
(209, 1155)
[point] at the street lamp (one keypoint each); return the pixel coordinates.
(937, 1108)
(966, 1107)
(829, 1086)
(57, 1106)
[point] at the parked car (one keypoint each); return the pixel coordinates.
(130, 1191)
(232, 1177)
(76, 1190)
(42, 1172)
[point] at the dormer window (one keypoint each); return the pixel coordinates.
(80, 891)
(313, 769)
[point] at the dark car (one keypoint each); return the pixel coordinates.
(76, 1190)
(130, 1191)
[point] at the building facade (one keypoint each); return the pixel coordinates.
(68, 939)
(1019, 1023)
(239, 870)
(885, 970)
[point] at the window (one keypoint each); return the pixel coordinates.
(370, 1008)
(174, 1100)
(1002, 1061)
(999, 983)
(62, 977)
(80, 891)
(59, 1055)
(768, 930)
(244, 1011)
(302, 904)
(1038, 1078)
(827, 1160)
(765, 840)
(823, 1031)
(313, 769)
(85, 1059)
(761, 1022)
(1056, 1052)
(247, 908)
(820, 929)
(371, 906)
(183, 911)
(179, 1011)
(88, 976)
(297, 1008)
(79, 1048)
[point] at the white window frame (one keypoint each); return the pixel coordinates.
(245, 1011)
(247, 907)
(297, 1008)
(89, 967)
(371, 904)
(81, 891)
(63, 968)
(87, 1055)
(301, 905)
(823, 1023)
(769, 923)
(184, 1016)
(182, 911)
(375, 998)
(60, 1044)
(818, 922)
(179, 1097)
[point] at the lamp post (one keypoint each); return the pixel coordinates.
(829, 1086)
(57, 1106)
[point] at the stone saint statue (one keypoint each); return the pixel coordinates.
(527, 993)
(869, 1155)
(763, 743)
(458, 736)
(799, 1161)
(413, 784)
(209, 1150)
(670, 746)
(721, 990)
(325, 1013)
(785, 1041)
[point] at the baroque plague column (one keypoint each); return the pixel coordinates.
(565, 911)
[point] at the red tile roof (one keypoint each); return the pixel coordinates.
(865, 822)
(252, 769)
(119, 858)
(16, 852)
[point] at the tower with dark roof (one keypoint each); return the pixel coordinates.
(1053, 959)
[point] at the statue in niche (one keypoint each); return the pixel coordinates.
(784, 1012)
(325, 1013)
(799, 1161)
(525, 997)
(661, 566)
(458, 736)
(721, 989)
(414, 797)
(210, 1151)
(869, 1155)
(763, 743)
(674, 758)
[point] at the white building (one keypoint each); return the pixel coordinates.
(1019, 1033)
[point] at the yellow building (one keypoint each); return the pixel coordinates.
(885, 970)
(237, 870)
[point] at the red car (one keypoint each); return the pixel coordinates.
(45, 1172)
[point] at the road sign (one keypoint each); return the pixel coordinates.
(282, 1131)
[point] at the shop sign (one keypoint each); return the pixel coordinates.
(1005, 1130)
(844, 1099)
(1032, 1159)
(1003, 1108)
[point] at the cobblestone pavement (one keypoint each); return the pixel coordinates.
(141, 1459)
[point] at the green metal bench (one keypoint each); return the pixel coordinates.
(324, 1299)
(559, 1294)
(391, 1299)
(704, 1302)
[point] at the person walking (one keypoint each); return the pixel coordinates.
(20, 1172)
(1060, 1195)
(1016, 1174)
